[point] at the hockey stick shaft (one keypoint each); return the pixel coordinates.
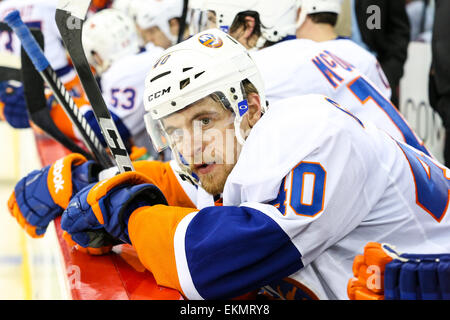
(70, 15)
(42, 65)
(39, 113)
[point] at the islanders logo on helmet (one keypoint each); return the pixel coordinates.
(209, 40)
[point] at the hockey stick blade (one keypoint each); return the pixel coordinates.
(42, 65)
(70, 15)
(39, 113)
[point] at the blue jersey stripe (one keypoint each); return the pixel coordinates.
(234, 250)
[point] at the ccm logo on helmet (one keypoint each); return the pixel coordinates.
(158, 94)
(57, 176)
(210, 40)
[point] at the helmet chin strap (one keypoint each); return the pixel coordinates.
(259, 44)
(301, 19)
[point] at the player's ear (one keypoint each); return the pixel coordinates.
(299, 10)
(254, 109)
(98, 60)
(249, 27)
(174, 26)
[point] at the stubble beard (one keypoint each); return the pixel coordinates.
(214, 182)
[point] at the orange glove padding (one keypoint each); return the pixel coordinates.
(2, 114)
(89, 250)
(368, 270)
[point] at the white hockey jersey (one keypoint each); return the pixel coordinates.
(363, 60)
(38, 14)
(123, 90)
(301, 66)
(313, 184)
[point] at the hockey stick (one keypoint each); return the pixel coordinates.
(62, 95)
(38, 112)
(9, 63)
(70, 15)
(183, 21)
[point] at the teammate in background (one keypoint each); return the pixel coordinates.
(111, 44)
(316, 21)
(36, 14)
(158, 22)
(303, 66)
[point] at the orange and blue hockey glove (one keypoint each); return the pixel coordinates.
(13, 108)
(383, 273)
(43, 194)
(107, 206)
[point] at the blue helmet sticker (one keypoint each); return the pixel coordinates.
(243, 107)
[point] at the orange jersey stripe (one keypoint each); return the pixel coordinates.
(152, 231)
(164, 177)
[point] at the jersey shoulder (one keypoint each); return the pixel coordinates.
(295, 127)
(294, 50)
(349, 49)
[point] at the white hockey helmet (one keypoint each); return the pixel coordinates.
(123, 5)
(316, 6)
(112, 35)
(277, 17)
(210, 62)
(151, 13)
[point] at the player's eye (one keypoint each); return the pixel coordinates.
(205, 121)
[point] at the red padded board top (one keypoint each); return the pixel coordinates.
(115, 276)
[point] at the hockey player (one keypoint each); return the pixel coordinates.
(303, 66)
(111, 44)
(260, 24)
(36, 14)
(316, 21)
(304, 186)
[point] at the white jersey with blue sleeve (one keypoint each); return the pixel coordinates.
(301, 66)
(38, 14)
(313, 184)
(123, 90)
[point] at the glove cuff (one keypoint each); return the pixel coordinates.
(59, 179)
(103, 187)
(147, 195)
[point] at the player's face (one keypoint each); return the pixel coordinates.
(204, 135)
(211, 20)
(156, 36)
